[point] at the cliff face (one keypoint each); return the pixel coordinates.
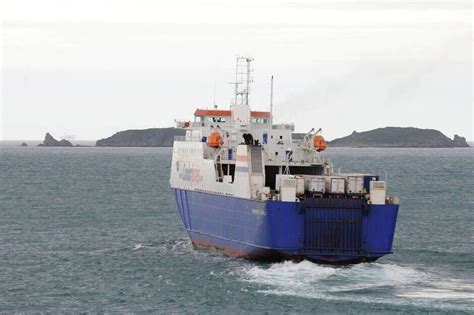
(397, 137)
(154, 137)
(49, 141)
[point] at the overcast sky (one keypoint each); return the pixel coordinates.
(90, 68)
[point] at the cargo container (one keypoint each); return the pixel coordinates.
(378, 192)
(299, 185)
(315, 184)
(355, 184)
(280, 178)
(337, 185)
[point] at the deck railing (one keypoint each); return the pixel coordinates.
(179, 138)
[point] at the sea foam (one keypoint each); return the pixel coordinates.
(395, 284)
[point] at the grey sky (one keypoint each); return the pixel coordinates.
(94, 67)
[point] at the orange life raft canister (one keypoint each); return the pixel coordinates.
(319, 143)
(215, 140)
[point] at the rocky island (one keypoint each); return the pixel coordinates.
(49, 141)
(398, 137)
(153, 137)
(388, 137)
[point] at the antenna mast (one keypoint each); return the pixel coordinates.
(214, 101)
(271, 100)
(243, 76)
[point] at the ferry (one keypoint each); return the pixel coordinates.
(243, 185)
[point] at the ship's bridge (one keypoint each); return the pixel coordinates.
(226, 116)
(208, 117)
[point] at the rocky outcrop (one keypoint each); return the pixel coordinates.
(24, 144)
(49, 141)
(460, 142)
(397, 137)
(154, 137)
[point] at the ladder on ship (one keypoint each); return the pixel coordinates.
(219, 170)
(256, 159)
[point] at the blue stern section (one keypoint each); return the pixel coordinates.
(338, 231)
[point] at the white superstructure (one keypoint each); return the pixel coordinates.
(247, 146)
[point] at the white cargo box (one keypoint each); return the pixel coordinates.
(355, 184)
(299, 185)
(284, 180)
(288, 193)
(315, 184)
(337, 185)
(378, 192)
(287, 185)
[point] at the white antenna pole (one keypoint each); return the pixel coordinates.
(242, 76)
(247, 90)
(236, 80)
(271, 100)
(215, 106)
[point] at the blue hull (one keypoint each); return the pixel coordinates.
(336, 231)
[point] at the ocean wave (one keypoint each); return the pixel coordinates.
(137, 246)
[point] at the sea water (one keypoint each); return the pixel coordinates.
(96, 230)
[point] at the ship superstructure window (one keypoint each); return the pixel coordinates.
(214, 119)
(259, 121)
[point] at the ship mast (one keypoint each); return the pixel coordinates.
(271, 101)
(243, 79)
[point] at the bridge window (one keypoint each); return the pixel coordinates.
(216, 119)
(259, 121)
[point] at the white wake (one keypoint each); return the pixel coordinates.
(370, 282)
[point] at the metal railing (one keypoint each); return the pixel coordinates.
(179, 138)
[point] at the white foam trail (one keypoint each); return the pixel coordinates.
(367, 276)
(438, 288)
(371, 283)
(439, 294)
(288, 278)
(289, 274)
